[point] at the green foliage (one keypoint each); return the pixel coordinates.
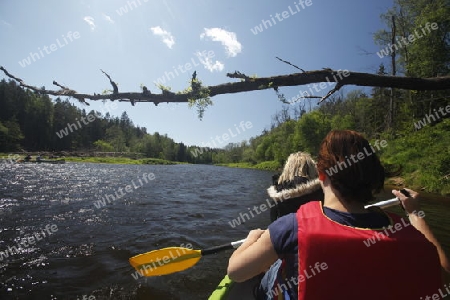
(198, 96)
(103, 146)
(10, 136)
(424, 156)
(163, 88)
(269, 165)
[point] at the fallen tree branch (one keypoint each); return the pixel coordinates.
(251, 84)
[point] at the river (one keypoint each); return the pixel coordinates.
(79, 247)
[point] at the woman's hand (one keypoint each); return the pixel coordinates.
(412, 207)
(254, 235)
(410, 203)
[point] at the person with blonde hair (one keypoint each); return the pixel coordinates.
(296, 185)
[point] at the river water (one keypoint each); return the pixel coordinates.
(76, 248)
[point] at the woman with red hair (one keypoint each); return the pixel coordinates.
(344, 250)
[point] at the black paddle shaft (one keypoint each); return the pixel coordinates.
(216, 249)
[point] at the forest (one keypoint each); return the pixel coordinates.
(415, 124)
(30, 121)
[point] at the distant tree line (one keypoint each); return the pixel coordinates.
(30, 121)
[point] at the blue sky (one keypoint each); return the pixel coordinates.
(138, 42)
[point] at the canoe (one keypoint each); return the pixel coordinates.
(55, 161)
(45, 161)
(230, 290)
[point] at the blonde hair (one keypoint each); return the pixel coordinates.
(298, 164)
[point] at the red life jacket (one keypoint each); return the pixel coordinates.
(342, 262)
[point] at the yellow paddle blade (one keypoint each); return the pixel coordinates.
(165, 261)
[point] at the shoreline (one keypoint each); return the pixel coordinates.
(131, 159)
(396, 181)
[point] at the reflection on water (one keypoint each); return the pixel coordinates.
(89, 253)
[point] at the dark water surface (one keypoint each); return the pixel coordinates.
(88, 254)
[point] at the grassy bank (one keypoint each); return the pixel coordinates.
(265, 165)
(424, 157)
(107, 159)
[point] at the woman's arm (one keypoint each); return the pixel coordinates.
(253, 257)
(412, 207)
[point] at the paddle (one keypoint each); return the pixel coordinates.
(175, 259)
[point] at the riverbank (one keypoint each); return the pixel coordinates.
(265, 165)
(99, 157)
(406, 180)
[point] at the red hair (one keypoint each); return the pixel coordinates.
(351, 164)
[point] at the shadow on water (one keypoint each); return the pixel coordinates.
(89, 253)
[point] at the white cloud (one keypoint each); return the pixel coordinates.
(90, 21)
(166, 36)
(227, 38)
(6, 23)
(108, 18)
(207, 62)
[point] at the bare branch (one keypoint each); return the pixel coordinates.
(114, 85)
(290, 64)
(363, 51)
(331, 92)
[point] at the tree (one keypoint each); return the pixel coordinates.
(423, 48)
(10, 136)
(103, 146)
